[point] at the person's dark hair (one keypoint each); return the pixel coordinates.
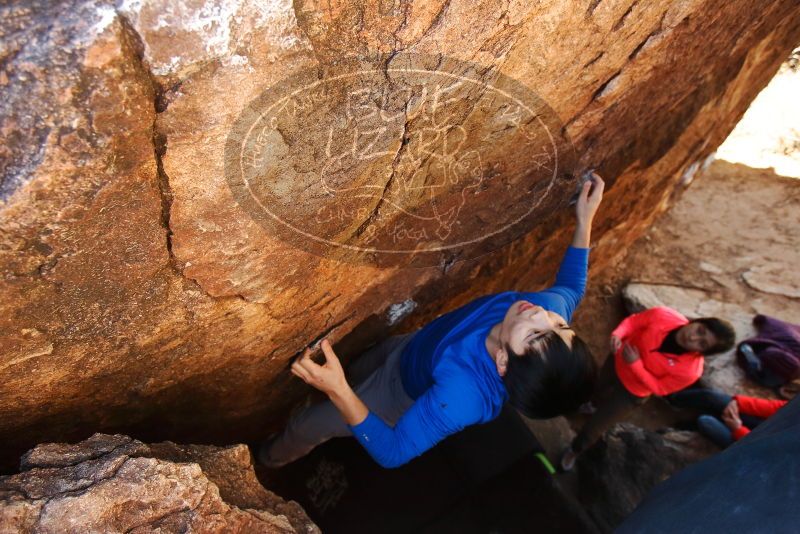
(551, 378)
(722, 330)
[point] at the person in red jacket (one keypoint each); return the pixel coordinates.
(654, 352)
(726, 418)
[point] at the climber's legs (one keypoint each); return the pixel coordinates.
(379, 386)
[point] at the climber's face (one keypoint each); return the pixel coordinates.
(525, 324)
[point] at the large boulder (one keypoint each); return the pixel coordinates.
(112, 483)
(140, 291)
(620, 470)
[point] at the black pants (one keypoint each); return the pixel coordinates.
(614, 402)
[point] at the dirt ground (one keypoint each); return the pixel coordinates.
(733, 235)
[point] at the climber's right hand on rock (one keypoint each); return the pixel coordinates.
(589, 200)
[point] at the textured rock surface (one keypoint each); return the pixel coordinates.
(112, 483)
(136, 294)
(613, 481)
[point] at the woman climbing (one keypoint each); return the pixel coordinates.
(411, 391)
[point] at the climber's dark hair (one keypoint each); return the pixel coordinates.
(550, 378)
(722, 330)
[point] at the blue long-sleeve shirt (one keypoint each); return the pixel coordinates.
(449, 372)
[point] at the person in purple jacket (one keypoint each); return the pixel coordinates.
(413, 390)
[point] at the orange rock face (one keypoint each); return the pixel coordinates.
(143, 291)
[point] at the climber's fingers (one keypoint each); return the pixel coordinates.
(592, 192)
(597, 191)
(331, 359)
(589, 198)
(300, 372)
(308, 365)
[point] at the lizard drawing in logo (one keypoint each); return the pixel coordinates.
(411, 160)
